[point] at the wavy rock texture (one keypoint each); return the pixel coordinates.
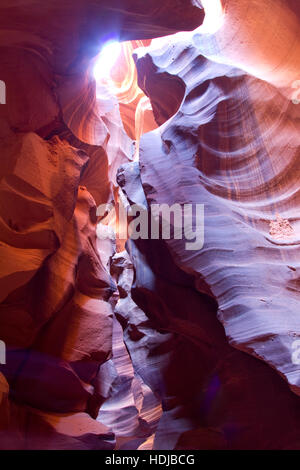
(62, 140)
(135, 106)
(55, 318)
(156, 346)
(213, 396)
(261, 38)
(132, 410)
(233, 145)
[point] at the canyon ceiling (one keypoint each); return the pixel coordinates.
(119, 342)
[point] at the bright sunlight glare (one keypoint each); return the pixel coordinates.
(214, 16)
(107, 59)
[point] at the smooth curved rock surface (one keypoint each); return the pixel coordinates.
(233, 146)
(155, 347)
(213, 396)
(62, 141)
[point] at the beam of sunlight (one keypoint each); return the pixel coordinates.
(214, 16)
(107, 59)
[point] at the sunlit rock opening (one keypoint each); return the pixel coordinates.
(115, 69)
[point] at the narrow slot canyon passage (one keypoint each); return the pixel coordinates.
(149, 225)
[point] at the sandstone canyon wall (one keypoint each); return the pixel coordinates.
(116, 343)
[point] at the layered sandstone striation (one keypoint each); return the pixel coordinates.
(212, 394)
(146, 344)
(62, 141)
(233, 145)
